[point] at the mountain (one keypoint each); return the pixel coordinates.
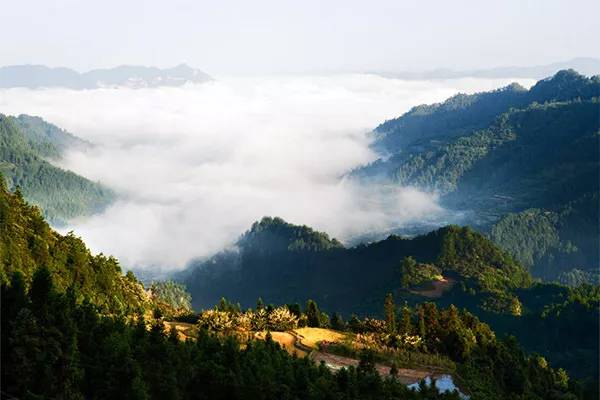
(47, 139)
(585, 65)
(502, 155)
(40, 76)
(28, 145)
(284, 263)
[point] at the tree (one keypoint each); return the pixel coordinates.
(421, 322)
(408, 265)
(390, 313)
(453, 320)
(515, 307)
(406, 326)
(431, 317)
(337, 322)
(313, 314)
(281, 319)
(40, 292)
(260, 304)
(295, 309)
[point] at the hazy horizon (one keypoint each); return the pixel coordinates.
(269, 37)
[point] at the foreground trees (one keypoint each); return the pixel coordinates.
(56, 348)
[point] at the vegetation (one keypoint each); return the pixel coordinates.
(552, 243)
(487, 281)
(446, 341)
(415, 274)
(560, 323)
(54, 347)
(73, 327)
(519, 159)
(26, 145)
(171, 298)
(27, 242)
(267, 263)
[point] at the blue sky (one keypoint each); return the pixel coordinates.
(298, 36)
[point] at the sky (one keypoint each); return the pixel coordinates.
(280, 36)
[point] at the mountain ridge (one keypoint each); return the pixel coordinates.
(504, 151)
(587, 65)
(132, 76)
(27, 145)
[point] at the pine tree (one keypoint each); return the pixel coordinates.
(313, 314)
(337, 322)
(421, 321)
(406, 326)
(390, 313)
(260, 304)
(431, 317)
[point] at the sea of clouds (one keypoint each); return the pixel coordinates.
(194, 166)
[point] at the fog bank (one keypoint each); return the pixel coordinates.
(194, 166)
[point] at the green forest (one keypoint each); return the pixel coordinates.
(516, 160)
(478, 276)
(28, 145)
(73, 326)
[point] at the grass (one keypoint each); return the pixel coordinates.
(312, 336)
(184, 330)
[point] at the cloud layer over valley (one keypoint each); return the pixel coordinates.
(194, 166)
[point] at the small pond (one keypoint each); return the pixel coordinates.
(444, 383)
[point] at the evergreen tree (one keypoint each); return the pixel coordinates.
(313, 314)
(406, 326)
(260, 304)
(422, 331)
(337, 322)
(390, 313)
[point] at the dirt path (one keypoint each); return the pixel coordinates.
(184, 330)
(335, 362)
(438, 289)
(288, 341)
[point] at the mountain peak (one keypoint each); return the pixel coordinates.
(277, 234)
(566, 84)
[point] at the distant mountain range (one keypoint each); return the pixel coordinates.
(40, 76)
(520, 160)
(586, 66)
(28, 145)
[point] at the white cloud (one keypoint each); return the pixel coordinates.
(194, 166)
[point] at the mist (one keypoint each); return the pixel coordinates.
(194, 166)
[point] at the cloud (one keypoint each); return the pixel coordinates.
(194, 166)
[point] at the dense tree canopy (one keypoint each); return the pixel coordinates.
(25, 145)
(27, 242)
(534, 154)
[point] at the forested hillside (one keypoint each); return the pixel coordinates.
(27, 242)
(284, 264)
(27, 145)
(513, 158)
(73, 327)
(452, 265)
